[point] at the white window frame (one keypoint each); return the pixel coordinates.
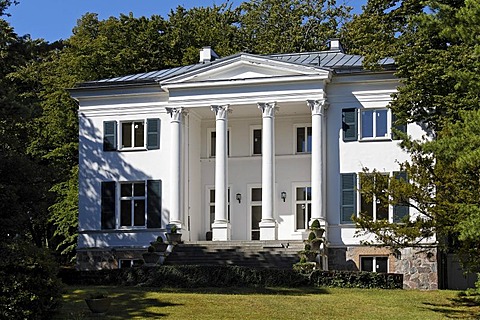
(388, 135)
(295, 202)
(210, 204)
(295, 136)
(252, 128)
(251, 204)
(209, 142)
(374, 262)
(132, 198)
(120, 135)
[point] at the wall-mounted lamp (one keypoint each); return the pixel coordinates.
(238, 196)
(283, 195)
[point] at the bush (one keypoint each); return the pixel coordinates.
(315, 225)
(355, 279)
(29, 284)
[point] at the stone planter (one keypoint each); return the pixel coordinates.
(159, 246)
(319, 232)
(315, 245)
(98, 306)
(174, 237)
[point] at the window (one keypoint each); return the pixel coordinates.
(303, 206)
(375, 207)
(374, 124)
(132, 204)
(256, 141)
(139, 134)
(374, 264)
(129, 263)
(304, 139)
(211, 205)
(256, 211)
(213, 141)
(139, 204)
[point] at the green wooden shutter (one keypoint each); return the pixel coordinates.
(154, 204)
(400, 211)
(349, 124)
(400, 127)
(348, 197)
(109, 135)
(108, 205)
(153, 134)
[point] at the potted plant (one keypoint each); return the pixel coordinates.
(159, 245)
(317, 229)
(151, 257)
(173, 236)
(98, 302)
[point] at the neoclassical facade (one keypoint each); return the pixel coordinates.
(242, 148)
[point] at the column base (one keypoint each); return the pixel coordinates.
(268, 230)
(221, 231)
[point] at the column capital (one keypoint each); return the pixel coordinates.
(176, 113)
(317, 106)
(268, 108)
(221, 111)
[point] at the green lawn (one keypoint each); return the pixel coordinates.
(275, 303)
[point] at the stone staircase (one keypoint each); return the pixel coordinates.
(266, 254)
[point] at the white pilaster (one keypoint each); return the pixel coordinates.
(221, 226)
(268, 225)
(176, 115)
(318, 108)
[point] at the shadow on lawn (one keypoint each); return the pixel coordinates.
(249, 291)
(459, 308)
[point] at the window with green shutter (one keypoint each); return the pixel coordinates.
(108, 205)
(109, 135)
(349, 124)
(348, 197)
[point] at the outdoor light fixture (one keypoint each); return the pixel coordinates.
(238, 196)
(283, 195)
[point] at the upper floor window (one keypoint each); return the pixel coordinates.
(304, 139)
(132, 204)
(137, 134)
(374, 124)
(213, 143)
(256, 140)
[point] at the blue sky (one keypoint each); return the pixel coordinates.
(54, 19)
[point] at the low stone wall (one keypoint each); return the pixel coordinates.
(419, 267)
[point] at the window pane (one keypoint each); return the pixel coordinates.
(126, 189)
(300, 216)
(139, 212)
(366, 206)
(139, 189)
(366, 264)
(126, 135)
(256, 217)
(301, 140)
(309, 139)
(301, 195)
(256, 194)
(381, 123)
(212, 195)
(257, 141)
(213, 143)
(309, 213)
(381, 264)
(125, 264)
(212, 216)
(382, 210)
(139, 134)
(309, 193)
(367, 124)
(125, 213)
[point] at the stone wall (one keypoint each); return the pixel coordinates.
(419, 268)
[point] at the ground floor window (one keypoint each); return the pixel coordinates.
(303, 207)
(129, 263)
(374, 264)
(256, 211)
(211, 205)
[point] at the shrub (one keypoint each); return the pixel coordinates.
(356, 279)
(159, 239)
(151, 249)
(29, 285)
(311, 236)
(315, 225)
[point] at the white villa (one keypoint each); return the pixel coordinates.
(242, 148)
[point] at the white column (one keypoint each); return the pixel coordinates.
(176, 115)
(318, 108)
(268, 225)
(221, 226)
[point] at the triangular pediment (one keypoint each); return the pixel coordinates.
(245, 67)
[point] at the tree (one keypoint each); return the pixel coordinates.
(436, 50)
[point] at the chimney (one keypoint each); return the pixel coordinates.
(208, 55)
(335, 45)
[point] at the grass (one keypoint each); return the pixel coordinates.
(271, 303)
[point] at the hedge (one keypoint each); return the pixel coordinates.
(192, 276)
